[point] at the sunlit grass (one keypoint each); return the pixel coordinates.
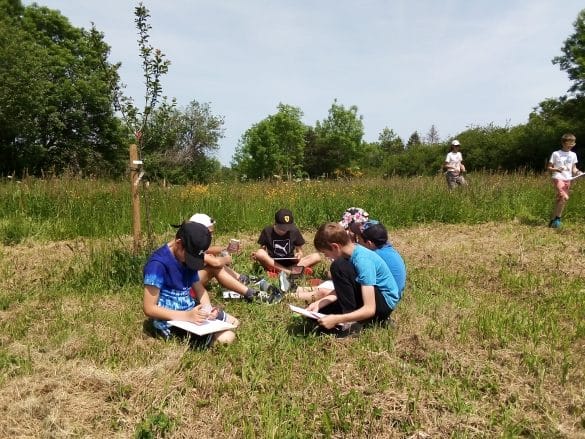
(65, 209)
(487, 341)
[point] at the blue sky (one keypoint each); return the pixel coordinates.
(406, 65)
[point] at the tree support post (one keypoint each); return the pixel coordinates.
(136, 174)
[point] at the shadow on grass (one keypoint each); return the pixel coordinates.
(302, 327)
(195, 342)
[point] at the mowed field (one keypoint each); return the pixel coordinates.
(488, 341)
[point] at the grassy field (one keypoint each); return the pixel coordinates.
(488, 341)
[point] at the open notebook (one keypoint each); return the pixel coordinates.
(207, 327)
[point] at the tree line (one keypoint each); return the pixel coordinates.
(62, 110)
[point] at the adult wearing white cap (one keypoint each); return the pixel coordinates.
(453, 166)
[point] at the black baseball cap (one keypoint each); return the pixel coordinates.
(376, 233)
(196, 239)
(284, 220)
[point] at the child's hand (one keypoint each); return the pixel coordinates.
(313, 307)
(231, 319)
(197, 315)
(226, 258)
(328, 322)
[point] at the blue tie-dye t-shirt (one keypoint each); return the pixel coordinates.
(174, 281)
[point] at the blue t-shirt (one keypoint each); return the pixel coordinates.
(373, 271)
(395, 264)
(174, 281)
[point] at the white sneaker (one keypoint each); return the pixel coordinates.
(284, 282)
(228, 294)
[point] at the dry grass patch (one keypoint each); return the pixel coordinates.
(488, 341)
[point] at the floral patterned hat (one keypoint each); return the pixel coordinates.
(354, 215)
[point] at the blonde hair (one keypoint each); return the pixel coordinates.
(568, 136)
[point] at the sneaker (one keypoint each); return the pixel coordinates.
(555, 223)
(276, 295)
(263, 296)
(262, 285)
(284, 282)
(244, 279)
(250, 295)
(229, 294)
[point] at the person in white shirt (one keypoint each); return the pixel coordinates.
(563, 167)
(453, 166)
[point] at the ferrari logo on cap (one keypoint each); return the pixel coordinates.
(287, 219)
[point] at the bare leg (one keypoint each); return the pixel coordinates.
(310, 260)
(224, 337)
(559, 206)
(232, 272)
(311, 294)
(224, 278)
(267, 262)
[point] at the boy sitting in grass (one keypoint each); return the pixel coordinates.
(169, 274)
(217, 264)
(365, 290)
(282, 246)
(374, 236)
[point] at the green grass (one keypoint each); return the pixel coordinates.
(57, 209)
(488, 340)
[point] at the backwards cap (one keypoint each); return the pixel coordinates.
(196, 239)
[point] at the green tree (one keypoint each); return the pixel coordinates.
(338, 139)
(413, 140)
(274, 146)
(370, 157)
(573, 59)
(56, 95)
(390, 142)
(154, 66)
(179, 145)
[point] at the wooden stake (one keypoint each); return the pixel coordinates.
(135, 166)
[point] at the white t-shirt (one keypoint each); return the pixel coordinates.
(563, 160)
(453, 161)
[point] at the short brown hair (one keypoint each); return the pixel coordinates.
(568, 136)
(330, 233)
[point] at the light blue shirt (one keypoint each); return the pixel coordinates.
(373, 271)
(395, 264)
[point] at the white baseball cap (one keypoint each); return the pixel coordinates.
(201, 218)
(455, 142)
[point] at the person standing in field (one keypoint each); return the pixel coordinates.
(454, 167)
(563, 167)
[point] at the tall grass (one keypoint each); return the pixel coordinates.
(64, 209)
(487, 341)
